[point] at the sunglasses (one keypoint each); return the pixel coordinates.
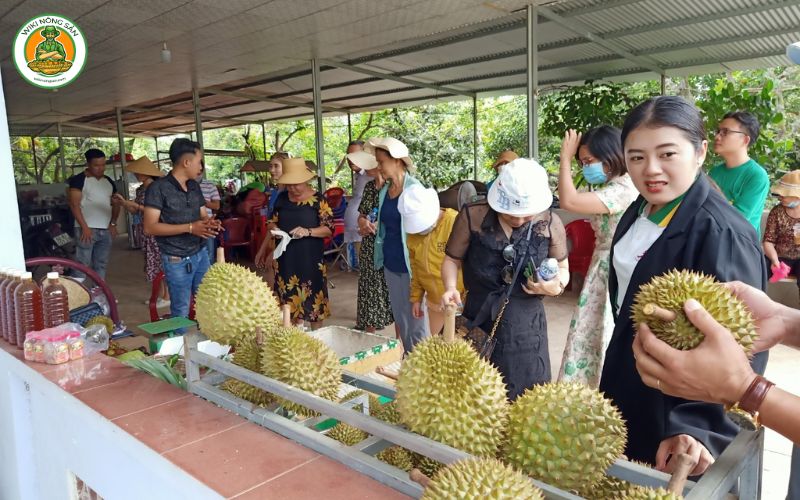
(725, 132)
(509, 255)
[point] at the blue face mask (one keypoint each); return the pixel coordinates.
(594, 173)
(792, 204)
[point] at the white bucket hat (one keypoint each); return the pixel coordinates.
(395, 148)
(521, 189)
(363, 160)
(793, 52)
(419, 208)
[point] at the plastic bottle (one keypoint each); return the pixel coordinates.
(5, 276)
(9, 311)
(28, 308)
(54, 301)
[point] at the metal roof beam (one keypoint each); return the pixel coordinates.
(83, 126)
(585, 31)
(168, 113)
(398, 79)
(260, 98)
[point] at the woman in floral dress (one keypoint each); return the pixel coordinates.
(373, 311)
(301, 275)
(599, 152)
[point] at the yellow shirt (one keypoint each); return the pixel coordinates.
(426, 255)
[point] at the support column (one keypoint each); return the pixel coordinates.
(61, 155)
(11, 252)
(663, 84)
(475, 137)
(533, 82)
(33, 154)
(198, 121)
(123, 163)
(264, 139)
(349, 129)
(318, 136)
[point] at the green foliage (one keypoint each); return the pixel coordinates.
(585, 106)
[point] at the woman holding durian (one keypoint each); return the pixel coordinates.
(678, 222)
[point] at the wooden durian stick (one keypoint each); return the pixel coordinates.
(221, 255)
(286, 309)
(678, 480)
(417, 476)
(259, 336)
(449, 323)
(659, 312)
(381, 370)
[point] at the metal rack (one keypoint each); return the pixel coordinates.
(740, 464)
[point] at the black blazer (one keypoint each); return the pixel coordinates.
(706, 234)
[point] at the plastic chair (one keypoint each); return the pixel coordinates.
(581, 235)
(258, 225)
(155, 291)
(236, 234)
(335, 245)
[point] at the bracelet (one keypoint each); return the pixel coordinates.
(190, 228)
(309, 231)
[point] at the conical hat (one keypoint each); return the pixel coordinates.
(144, 166)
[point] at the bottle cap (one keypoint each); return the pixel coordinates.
(52, 275)
(27, 275)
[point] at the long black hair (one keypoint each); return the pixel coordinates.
(605, 144)
(667, 111)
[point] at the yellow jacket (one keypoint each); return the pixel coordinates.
(426, 254)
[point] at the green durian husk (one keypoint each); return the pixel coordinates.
(479, 479)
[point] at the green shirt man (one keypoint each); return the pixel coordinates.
(50, 49)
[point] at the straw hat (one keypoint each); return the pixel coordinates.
(521, 189)
(788, 185)
(144, 166)
(504, 158)
(295, 172)
(362, 160)
(395, 148)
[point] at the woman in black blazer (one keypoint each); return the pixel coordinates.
(679, 222)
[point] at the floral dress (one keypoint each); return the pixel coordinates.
(372, 308)
(592, 322)
(301, 274)
(152, 255)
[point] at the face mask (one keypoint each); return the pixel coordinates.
(793, 204)
(594, 174)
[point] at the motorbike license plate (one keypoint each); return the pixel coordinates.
(62, 239)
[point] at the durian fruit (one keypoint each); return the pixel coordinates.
(448, 393)
(386, 412)
(670, 291)
(347, 434)
(481, 478)
(248, 355)
(300, 360)
(643, 493)
(609, 488)
(232, 302)
(427, 466)
(565, 434)
(397, 456)
(102, 320)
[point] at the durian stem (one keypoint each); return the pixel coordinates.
(381, 370)
(449, 323)
(286, 309)
(417, 476)
(259, 336)
(221, 255)
(678, 480)
(659, 313)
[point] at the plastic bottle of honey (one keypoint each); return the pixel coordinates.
(28, 306)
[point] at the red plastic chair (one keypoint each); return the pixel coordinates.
(236, 234)
(581, 236)
(155, 291)
(335, 245)
(258, 225)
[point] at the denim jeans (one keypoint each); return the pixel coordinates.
(93, 254)
(211, 246)
(183, 275)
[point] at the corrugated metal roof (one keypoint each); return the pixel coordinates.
(262, 48)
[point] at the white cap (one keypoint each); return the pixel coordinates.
(27, 275)
(419, 208)
(395, 148)
(363, 160)
(793, 52)
(521, 189)
(52, 275)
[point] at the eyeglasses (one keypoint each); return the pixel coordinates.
(725, 132)
(509, 254)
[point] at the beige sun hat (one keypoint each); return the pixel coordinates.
(504, 158)
(363, 160)
(395, 148)
(295, 172)
(143, 166)
(788, 185)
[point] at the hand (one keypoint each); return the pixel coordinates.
(416, 310)
(112, 230)
(206, 228)
(365, 227)
(86, 234)
(771, 321)
(299, 232)
(725, 372)
(569, 146)
(451, 296)
(683, 443)
(261, 257)
(550, 288)
(118, 199)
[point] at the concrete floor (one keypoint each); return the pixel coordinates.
(126, 278)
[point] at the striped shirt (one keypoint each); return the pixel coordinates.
(210, 193)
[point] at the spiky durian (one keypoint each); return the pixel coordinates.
(670, 291)
(427, 466)
(233, 302)
(565, 434)
(396, 456)
(101, 320)
(248, 355)
(448, 393)
(480, 478)
(347, 434)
